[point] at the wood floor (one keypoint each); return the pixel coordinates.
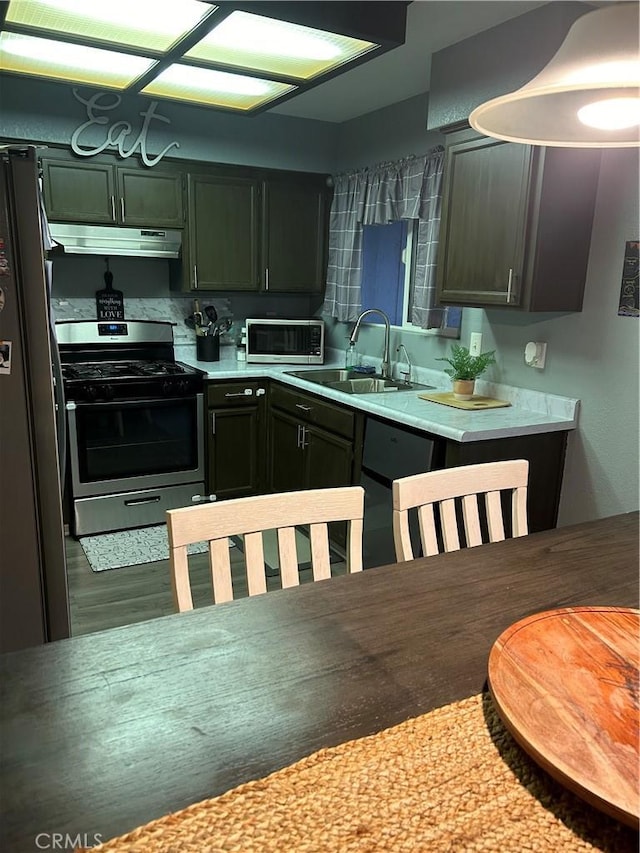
(109, 599)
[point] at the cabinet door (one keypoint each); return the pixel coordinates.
(79, 192)
(223, 233)
(286, 459)
(328, 459)
(483, 226)
(234, 451)
(294, 237)
(150, 198)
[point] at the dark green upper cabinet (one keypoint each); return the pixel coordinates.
(150, 198)
(253, 232)
(109, 194)
(79, 192)
(294, 235)
(223, 233)
(516, 224)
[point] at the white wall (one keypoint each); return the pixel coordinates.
(592, 355)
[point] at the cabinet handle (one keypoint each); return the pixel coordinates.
(122, 207)
(212, 418)
(304, 443)
(246, 393)
(304, 408)
(298, 441)
(260, 392)
(195, 275)
(509, 284)
(113, 208)
(266, 278)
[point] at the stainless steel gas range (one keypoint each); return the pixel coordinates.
(135, 424)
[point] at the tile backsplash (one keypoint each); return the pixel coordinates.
(166, 309)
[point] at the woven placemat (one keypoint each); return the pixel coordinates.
(452, 780)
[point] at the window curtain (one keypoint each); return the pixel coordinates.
(410, 188)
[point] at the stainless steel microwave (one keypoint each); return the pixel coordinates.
(285, 341)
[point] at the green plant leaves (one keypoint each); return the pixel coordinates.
(466, 366)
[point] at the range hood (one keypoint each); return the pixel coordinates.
(112, 240)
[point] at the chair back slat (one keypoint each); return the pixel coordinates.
(443, 489)
(449, 522)
(355, 527)
(180, 579)
(254, 559)
(288, 557)
(320, 560)
(494, 517)
(249, 517)
(471, 516)
(220, 565)
(519, 512)
(427, 523)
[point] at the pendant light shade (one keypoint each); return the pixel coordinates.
(587, 96)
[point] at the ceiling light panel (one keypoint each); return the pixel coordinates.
(148, 24)
(214, 88)
(243, 40)
(71, 62)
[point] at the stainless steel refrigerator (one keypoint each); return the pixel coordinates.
(33, 579)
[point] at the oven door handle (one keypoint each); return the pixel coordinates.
(138, 501)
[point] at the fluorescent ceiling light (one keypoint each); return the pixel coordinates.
(596, 69)
(72, 62)
(243, 40)
(215, 88)
(146, 24)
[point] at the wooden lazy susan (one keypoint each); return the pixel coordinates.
(565, 683)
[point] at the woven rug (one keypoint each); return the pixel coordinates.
(452, 780)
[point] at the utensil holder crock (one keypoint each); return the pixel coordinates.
(208, 347)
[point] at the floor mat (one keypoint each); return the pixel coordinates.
(130, 547)
(150, 544)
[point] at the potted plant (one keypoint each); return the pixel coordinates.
(465, 369)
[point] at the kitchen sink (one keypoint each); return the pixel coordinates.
(350, 383)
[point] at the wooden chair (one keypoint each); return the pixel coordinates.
(440, 489)
(250, 517)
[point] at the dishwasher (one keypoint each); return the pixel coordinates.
(389, 452)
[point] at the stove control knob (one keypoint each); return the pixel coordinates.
(90, 392)
(106, 392)
(183, 386)
(166, 388)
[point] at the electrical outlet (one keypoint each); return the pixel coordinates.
(475, 343)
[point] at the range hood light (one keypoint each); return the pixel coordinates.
(588, 95)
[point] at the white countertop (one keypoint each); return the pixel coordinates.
(530, 412)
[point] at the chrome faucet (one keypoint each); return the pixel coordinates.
(405, 374)
(386, 364)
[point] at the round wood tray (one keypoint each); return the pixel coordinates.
(565, 683)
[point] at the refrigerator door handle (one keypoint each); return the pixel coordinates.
(60, 405)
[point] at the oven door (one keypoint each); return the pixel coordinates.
(124, 445)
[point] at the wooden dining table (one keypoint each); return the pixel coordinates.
(104, 732)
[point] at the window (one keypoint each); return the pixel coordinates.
(388, 273)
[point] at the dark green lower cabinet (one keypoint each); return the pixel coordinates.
(307, 457)
(236, 439)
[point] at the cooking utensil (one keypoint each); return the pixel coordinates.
(210, 313)
(109, 302)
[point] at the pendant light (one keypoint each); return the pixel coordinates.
(587, 96)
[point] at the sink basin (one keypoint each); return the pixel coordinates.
(350, 383)
(322, 375)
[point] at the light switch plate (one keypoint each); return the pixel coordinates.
(475, 343)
